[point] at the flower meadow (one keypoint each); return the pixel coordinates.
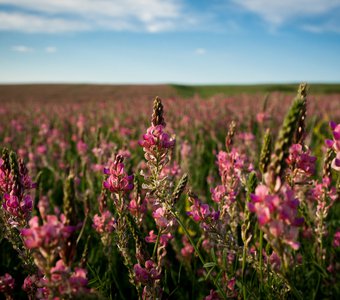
(219, 198)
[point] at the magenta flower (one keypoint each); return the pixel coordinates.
(202, 212)
(118, 180)
(301, 160)
(7, 283)
(151, 238)
(213, 295)
(156, 139)
(17, 208)
(147, 274)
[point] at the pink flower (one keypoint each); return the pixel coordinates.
(7, 283)
(159, 216)
(17, 208)
(163, 239)
(104, 223)
(118, 180)
(218, 193)
(213, 295)
(277, 214)
(275, 261)
(82, 147)
(147, 274)
(156, 138)
(302, 160)
(78, 280)
(188, 249)
(137, 209)
(202, 212)
(67, 282)
(42, 149)
(336, 240)
(231, 284)
(151, 238)
(30, 284)
(47, 237)
(262, 117)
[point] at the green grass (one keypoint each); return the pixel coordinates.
(206, 91)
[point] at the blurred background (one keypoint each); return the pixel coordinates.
(169, 41)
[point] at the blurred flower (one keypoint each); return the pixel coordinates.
(7, 283)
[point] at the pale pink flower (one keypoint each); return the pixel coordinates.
(187, 249)
(47, 237)
(105, 223)
(277, 214)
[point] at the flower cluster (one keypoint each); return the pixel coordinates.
(62, 283)
(104, 223)
(17, 208)
(156, 144)
(301, 162)
(69, 282)
(47, 240)
(15, 184)
(202, 212)
(148, 277)
(118, 180)
(7, 284)
(277, 215)
(231, 166)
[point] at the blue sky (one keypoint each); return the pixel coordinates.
(169, 41)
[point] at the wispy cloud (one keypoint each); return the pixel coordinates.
(200, 51)
(279, 11)
(322, 28)
(79, 15)
(25, 22)
(50, 49)
(22, 49)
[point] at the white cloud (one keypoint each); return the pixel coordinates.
(200, 51)
(321, 28)
(50, 49)
(80, 15)
(32, 23)
(22, 49)
(279, 11)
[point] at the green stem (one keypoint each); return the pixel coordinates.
(261, 257)
(243, 272)
(198, 253)
(156, 244)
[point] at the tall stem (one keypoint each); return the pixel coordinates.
(198, 253)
